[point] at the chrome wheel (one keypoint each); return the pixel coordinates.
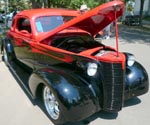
(5, 55)
(51, 104)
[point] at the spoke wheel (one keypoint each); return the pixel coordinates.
(51, 103)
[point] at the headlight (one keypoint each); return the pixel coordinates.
(92, 69)
(131, 60)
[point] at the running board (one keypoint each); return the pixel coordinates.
(21, 75)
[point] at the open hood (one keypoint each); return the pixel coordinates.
(94, 20)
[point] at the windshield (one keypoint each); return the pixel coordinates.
(48, 23)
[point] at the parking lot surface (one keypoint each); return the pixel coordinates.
(17, 109)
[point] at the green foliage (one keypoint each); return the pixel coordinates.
(147, 18)
(77, 3)
(72, 4)
(130, 5)
(18, 5)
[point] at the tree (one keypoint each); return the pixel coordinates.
(18, 5)
(141, 10)
(36, 3)
(72, 4)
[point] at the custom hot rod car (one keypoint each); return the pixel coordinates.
(53, 52)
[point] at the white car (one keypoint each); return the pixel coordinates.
(1, 18)
(10, 15)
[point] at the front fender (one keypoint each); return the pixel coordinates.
(136, 81)
(72, 94)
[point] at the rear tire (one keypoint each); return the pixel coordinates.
(6, 57)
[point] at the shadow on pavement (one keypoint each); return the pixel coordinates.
(106, 115)
(101, 115)
(132, 102)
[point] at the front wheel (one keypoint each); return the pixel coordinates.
(52, 106)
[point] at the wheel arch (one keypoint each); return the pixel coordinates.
(39, 89)
(7, 51)
(6, 42)
(35, 85)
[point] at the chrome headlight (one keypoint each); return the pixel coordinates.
(92, 68)
(130, 60)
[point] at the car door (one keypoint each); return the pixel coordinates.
(22, 40)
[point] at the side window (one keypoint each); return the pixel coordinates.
(24, 24)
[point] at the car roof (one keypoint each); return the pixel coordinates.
(50, 11)
(92, 21)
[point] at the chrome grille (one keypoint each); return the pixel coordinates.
(113, 86)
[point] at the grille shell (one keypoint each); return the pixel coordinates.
(113, 86)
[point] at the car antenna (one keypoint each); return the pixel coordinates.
(116, 8)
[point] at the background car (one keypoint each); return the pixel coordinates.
(132, 20)
(10, 15)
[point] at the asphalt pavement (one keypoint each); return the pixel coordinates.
(17, 109)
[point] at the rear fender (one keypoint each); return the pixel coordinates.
(7, 44)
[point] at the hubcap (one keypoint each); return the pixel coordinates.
(51, 103)
(5, 56)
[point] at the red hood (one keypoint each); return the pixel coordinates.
(94, 20)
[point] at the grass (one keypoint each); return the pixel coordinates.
(147, 18)
(144, 28)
